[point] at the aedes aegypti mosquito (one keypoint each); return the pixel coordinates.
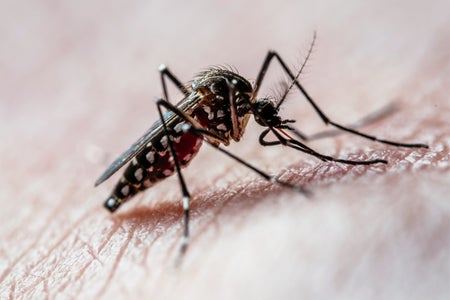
(215, 109)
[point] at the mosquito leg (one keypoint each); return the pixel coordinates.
(263, 134)
(294, 144)
(272, 54)
(203, 133)
(278, 131)
(263, 142)
(165, 72)
(371, 118)
(184, 190)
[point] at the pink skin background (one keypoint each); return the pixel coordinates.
(77, 84)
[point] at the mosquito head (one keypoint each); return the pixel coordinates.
(266, 113)
(224, 103)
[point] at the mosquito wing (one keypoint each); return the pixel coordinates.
(135, 149)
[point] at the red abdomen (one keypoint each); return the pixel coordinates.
(153, 164)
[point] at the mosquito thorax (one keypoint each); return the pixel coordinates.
(224, 98)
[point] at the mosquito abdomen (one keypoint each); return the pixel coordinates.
(153, 164)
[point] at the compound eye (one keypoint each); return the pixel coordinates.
(268, 112)
(266, 107)
(219, 87)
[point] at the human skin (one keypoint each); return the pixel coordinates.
(76, 89)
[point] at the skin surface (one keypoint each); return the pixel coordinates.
(77, 84)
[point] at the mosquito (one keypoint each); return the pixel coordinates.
(216, 109)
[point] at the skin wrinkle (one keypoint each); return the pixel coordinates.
(90, 250)
(94, 256)
(50, 251)
(12, 292)
(38, 238)
(43, 279)
(108, 237)
(163, 214)
(79, 275)
(45, 288)
(117, 261)
(32, 245)
(159, 234)
(219, 202)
